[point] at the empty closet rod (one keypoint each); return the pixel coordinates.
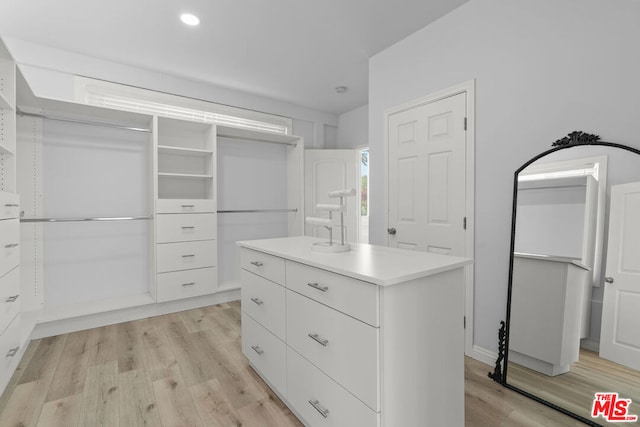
(257, 210)
(120, 218)
(84, 122)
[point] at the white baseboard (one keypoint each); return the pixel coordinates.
(63, 326)
(483, 355)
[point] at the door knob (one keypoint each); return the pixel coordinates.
(391, 231)
(608, 279)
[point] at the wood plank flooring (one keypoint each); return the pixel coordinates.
(187, 369)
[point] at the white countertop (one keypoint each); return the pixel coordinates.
(380, 265)
(552, 258)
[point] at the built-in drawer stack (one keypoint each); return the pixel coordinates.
(264, 315)
(9, 278)
(314, 336)
(333, 347)
(186, 248)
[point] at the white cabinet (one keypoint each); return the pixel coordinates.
(186, 223)
(374, 337)
(10, 327)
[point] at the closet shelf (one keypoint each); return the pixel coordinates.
(169, 149)
(184, 175)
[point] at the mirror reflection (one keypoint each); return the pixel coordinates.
(574, 327)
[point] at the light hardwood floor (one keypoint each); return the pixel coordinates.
(187, 369)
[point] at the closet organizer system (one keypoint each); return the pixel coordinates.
(125, 215)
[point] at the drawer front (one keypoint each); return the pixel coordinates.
(9, 245)
(185, 227)
(264, 300)
(265, 352)
(186, 284)
(186, 255)
(354, 297)
(320, 400)
(185, 206)
(9, 344)
(341, 346)
(9, 205)
(9, 297)
(267, 266)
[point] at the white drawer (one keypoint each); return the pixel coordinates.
(312, 393)
(185, 227)
(263, 300)
(9, 205)
(354, 297)
(187, 283)
(185, 206)
(267, 266)
(9, 344)
(186, 255)
(265, 352)
(9, 245)
(9, 297)
(344, 348)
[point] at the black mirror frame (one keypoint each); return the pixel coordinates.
(499, 375)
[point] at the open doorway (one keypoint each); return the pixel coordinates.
(363, 224)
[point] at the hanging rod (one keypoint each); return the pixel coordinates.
(85, 122)
(257, 210)
(121, 218)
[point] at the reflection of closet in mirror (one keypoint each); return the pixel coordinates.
(556, 227)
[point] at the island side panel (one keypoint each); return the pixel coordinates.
(422, 351)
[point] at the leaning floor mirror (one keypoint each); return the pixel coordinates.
(571, 339)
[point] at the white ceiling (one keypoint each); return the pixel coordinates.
(292, 50)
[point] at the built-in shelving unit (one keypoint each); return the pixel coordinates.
(12, 342)
(186, 226)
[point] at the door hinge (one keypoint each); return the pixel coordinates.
(464, 322)
(464, 223)
(465, 123)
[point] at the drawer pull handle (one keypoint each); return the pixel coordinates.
(191, 227)
(257, 263)
(315, 285)
(188, 284)
(11, 205)
(188, 206)
(11, 245)
(188, 256)
(12, 298)
(319, 340)
(12, 352)
(316, 405)
(257, 301)
(258, 350)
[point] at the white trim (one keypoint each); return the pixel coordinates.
(57, 327)
(483, 355)
(468, 88)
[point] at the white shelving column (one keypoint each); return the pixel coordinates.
(186, 223)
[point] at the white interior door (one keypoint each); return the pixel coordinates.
(427, 175)
(329, 170)
(619, 339)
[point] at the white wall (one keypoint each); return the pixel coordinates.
(353, 128)
(50, 71)
(542, 68)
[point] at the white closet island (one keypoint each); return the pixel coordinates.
(370, 337)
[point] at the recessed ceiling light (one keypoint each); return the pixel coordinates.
(190, 19)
